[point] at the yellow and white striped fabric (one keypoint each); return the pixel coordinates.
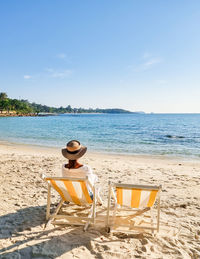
(136, 198)
(72, 191)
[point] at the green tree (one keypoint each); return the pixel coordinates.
(3, 96)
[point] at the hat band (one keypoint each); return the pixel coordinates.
(73, 152)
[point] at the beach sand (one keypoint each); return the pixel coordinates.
(23, 202)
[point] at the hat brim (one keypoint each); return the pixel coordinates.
(70, 156)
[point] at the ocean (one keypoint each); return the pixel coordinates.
(149, 134)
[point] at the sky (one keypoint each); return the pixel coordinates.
(134, 55)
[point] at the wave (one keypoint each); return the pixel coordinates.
(174, 137)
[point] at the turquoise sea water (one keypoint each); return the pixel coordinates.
(157, 134)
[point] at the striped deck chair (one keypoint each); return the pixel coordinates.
(133, 198)
(73, 191)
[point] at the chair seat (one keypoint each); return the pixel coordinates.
(134, 201)
(72, 191)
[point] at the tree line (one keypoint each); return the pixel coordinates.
(25, 107)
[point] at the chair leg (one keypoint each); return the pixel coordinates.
(99, 199)
(89, 218)
(58, 208)
(152, 220)
(108, 210)
(86, 226)
(114, 213)
(48, 202)
(51, 218)
(115, 209)
(158, 212)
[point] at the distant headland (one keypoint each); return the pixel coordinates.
(15, 107)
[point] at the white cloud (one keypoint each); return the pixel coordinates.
(146, 55)
(150, 62)
(61, 55)
(27, 77)
(59, 73)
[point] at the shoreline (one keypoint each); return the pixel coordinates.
(6, 115)
(56, 151)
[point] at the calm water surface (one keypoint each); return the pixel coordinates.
(158, 134)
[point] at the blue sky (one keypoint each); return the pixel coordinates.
(136, 55)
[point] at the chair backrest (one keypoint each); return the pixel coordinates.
(136, 196)
(71, 189)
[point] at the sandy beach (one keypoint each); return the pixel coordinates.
(23, 202)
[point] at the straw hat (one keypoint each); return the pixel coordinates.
(74, 150)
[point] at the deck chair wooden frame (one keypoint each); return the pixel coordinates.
(136, 197)
(65, 186)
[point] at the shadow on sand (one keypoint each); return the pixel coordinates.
(22, 236)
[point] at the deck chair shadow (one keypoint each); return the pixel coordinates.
(136, 201)
(73, 191)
